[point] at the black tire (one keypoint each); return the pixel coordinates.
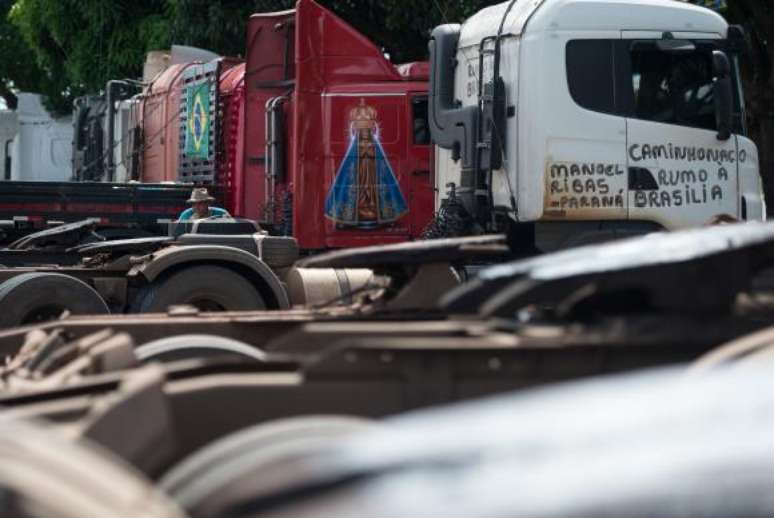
(184, 347)
(204, 482)
(37, 297)
(48, 473)
(209, 288)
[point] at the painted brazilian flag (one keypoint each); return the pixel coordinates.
(197, 133)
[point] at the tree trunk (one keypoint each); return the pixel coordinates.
(757, 17)
(761, 126)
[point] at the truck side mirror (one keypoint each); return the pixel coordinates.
(451, 126)
(724, 103)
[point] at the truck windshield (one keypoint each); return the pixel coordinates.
(677, 88)
(634, 78)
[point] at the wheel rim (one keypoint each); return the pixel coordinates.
(43, 314)
(206, 304)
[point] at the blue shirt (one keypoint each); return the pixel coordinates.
(217, 212)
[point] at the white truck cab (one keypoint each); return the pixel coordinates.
(593, 119)
(42, 148)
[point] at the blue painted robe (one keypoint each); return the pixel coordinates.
(341, 204)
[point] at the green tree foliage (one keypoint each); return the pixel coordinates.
(65, 48)
(757, 19)
(18, 70)
(400, 27)
(83, 43)
(218, 26)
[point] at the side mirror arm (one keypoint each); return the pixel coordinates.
(723, 93)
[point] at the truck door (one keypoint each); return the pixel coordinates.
(680, 173)
(585, 132)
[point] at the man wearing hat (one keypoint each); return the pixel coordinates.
(200, 207)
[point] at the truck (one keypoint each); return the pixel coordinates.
(215, 264)
(654, 160)
(315, 134)
(35, 144)
(568, 122)
(99, 180)
(36, 190)
(315, 118)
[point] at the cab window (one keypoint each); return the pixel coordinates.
(421, 127)
(673, 88)
(634, 78)
(590, 74)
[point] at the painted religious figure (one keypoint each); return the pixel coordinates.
(365, 193)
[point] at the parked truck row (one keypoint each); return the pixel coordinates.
(312, 104)
(584, 120)
(556, 123)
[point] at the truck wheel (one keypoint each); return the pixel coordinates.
(205, 482)
(208, 288)
(184, 347)
(37, 297)
(49, 473)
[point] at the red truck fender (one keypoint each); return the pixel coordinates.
(177, 258)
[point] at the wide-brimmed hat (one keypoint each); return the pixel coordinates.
(200, 194)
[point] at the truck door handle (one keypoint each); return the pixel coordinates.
(420, 173)
(641, 179)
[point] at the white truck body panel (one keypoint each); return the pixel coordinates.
(505, 181)
(750, 181)
(42, 149)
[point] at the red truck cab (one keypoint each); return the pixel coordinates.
(317, 135)
(337, 149)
